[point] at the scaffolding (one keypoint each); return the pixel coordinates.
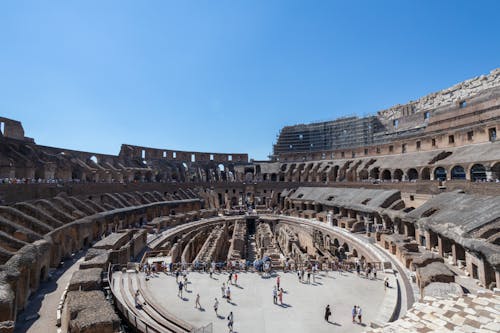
(329, 135)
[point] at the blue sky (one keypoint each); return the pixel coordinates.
(226, 75)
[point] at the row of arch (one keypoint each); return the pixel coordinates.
(348, 172)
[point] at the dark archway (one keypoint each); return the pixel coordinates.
(426, 174)
(398, 174)
(375, 173)
(457, 172)
(386, 175)
(477, 172)
(412, 174)
(440, 173)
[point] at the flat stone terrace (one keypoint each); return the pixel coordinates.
(470, 313)
(252, 301)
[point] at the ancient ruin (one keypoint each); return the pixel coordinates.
(412, 191)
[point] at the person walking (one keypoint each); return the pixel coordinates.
(230, 321)
(275, 295)
(359, 312)
(280, 296)
(179, 293)
(328, 313)
(216, 306)
(223, 290)
(228, 294)
(354, 312)
(236, 278)
(197, 303)
(374, 273)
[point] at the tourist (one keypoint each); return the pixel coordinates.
(354, 312)
(177, 276)
(136, 299)
(275, 295)
(216, 306)
(359, 313)
(197, 303)
(386, 283)
(223, 290)
(179, 293)
(230, 321)
(228, 294)
(230, 278)
(280, 296)
(327, 313)
(308, 276)
(278, 282)
(374, 273)
(236, 278)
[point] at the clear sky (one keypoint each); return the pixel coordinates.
(227, 75)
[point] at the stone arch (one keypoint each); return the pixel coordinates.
(440, 173)
(336, 242)
(335, 173)
(375, 173)
(425, 174)
(457, 172)
(386, 175)
(412, 174)
(363, 174)
(477, 172)
(495, 170)
(346, 247)
(273, 177)
(398, 174)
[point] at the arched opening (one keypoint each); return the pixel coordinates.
(336, 242)
(346, 247)
(363, 174)
(440, 174)
(458, 172)
(335, 171)
(398, 174)
(386, 175)
(412, 174)
(222, 172)
(375, 173)
(477, 172)
(273, 177)
(495, 171)
(355, 253)
(426, 174)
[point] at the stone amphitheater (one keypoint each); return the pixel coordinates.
(92, 242)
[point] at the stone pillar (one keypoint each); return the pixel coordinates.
(454, 253)
(428, 242)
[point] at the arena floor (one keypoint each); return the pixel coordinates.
(253, 307)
